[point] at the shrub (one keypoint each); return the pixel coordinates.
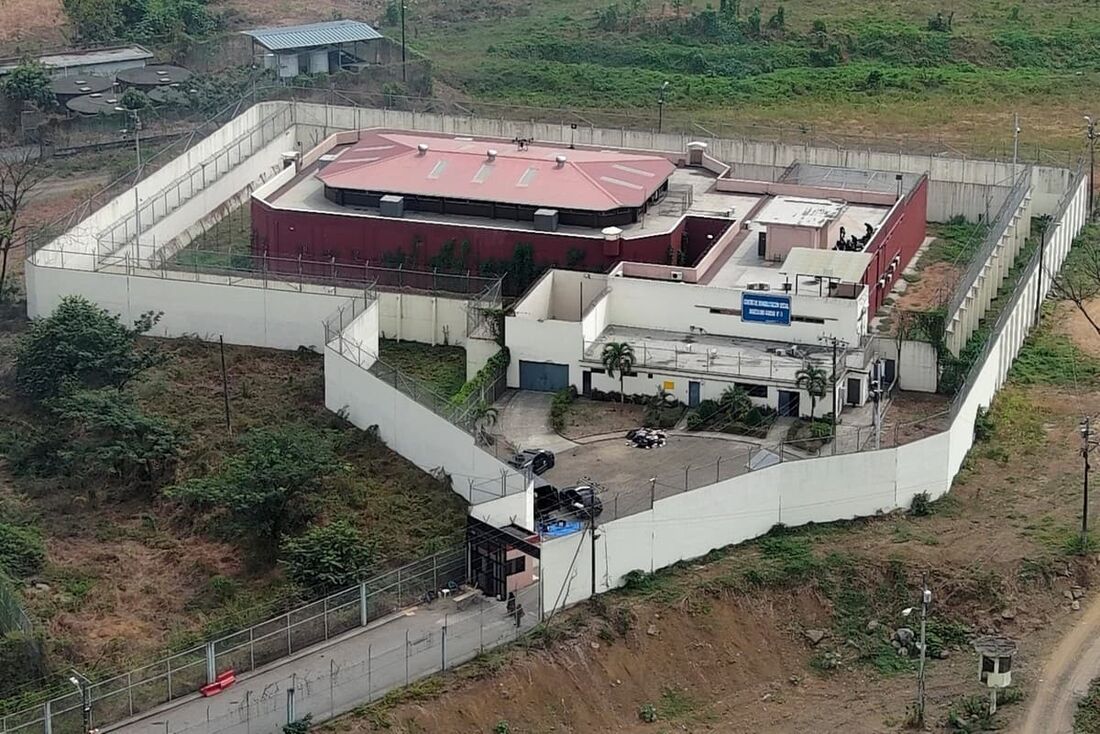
(484, 377)
(301, 726)
(327, 558)
(263, 489)
(921, 506)
(559, 408)
(707, 409)
(983, 424)
(21, 550)
(648, 713)
(29, 82)
(81, 345)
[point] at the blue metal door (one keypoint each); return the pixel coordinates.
(693, 394)
(543, 376)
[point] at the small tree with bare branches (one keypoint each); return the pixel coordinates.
(20, 173)
(1079, 280)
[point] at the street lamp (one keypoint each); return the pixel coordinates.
(82, 684)
(404, 75)
(925, 600)
(1015, 137)
(661, 106)
(1091, 135)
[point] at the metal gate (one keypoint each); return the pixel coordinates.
(543, 376)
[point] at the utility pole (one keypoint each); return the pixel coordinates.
(225, 384)
(1087, 445)
(1015, 138)
(404, 74)
(925, 600)
(876, 397)
(1091, 134)
(661, 107)
(82, 682)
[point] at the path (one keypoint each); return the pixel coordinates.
(524, 419)
(346, 672)
(1065, 677)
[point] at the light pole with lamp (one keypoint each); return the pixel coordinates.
(925, 600)
(1015, 137)
(661, 107)
(404, 75)
(1091, 135)
(82, 683)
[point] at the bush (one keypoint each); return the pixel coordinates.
(264, 489)
(707, 409)
(327, 558)
(559, 408)
(494, 367)
(921, 506)
(21, 550)
(81, 345)
(648, 713)
(301, 726)
(29, 82)
(983, 424)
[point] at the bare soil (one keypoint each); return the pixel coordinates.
(914, 415)
(1071, 322)
(936, 284)
(27, 25)
(592, 417)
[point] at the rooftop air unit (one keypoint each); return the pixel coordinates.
(560, 160)
(422, 149)
(546, 220)
(392, 206)
(758, 287)
(491, 154)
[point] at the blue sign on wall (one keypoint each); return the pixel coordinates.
(766, 308)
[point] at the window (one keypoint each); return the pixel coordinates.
(515, 565)
(808, 319)
(753, 391)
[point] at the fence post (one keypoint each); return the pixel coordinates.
(686, 470)
(718, 470)
(406, 657)
(251, 648)
(324, 615)
(400, 596)
(169, 677)
(370, 688)
(363, 604)
(47, 719)
(435, 572)
(130, 691)
(288, 646)
(211, 672)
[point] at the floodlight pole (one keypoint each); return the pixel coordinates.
(404, 74)
(1015, 137)
(661, 107)
(1086, 449)
(1091, 134)
(925, 600)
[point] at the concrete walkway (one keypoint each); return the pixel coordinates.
(335, 677)
(524, 421)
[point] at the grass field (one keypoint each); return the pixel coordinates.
(838, 68)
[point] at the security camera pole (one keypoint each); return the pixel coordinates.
(1015, 137)
(82, 683)
(925, 600)
(1088, 443)
(661, 106)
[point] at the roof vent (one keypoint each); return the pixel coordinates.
(491, 154)
(560, 160)
(422, 149)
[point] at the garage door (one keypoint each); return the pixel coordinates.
(543, 376)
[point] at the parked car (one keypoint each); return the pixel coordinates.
(581, 500)
(540, 460)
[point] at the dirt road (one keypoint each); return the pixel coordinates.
(1065, 677)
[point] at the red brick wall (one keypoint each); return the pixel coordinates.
(902, 233)
(321, 235)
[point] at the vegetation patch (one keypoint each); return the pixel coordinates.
(1086, 720)
(440, 368)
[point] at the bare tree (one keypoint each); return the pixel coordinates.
(1079, 281)
(20, 173)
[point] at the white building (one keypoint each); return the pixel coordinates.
(316, 48)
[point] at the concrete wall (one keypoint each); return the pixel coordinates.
(958, 186)
(279, 318)
(431, 442)
(560, 342)
(917, 366)
(423, 318)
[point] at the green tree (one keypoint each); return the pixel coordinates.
(81, 345)
(326, 558)
(734, 402)
(264, 489)
(21, 550)
(109, 436)
(134, 99)
(618, 357)
(29, 82)
(814, 381)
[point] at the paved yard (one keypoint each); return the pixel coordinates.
(524, 421)
(625, 472)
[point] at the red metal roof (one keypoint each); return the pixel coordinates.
(460, 168)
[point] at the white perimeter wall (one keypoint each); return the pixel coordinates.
(917, 367)
(499, 494)
(689, 525)
(957, 185)
(252, 316)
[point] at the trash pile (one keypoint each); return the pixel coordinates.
(645, 438)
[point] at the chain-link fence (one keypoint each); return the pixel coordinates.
(168, 679)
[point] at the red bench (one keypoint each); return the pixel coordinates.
(223, 681)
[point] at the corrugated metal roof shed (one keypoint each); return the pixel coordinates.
(313, 34)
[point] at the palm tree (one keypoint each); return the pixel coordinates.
(484, 417)
(618, 357)
(813, 380)
(734, 402)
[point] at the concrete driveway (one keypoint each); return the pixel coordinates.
(523, 419)
(626, 474)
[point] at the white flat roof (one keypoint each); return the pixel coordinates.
(847, 267)
(800, 212)
(67, 59)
